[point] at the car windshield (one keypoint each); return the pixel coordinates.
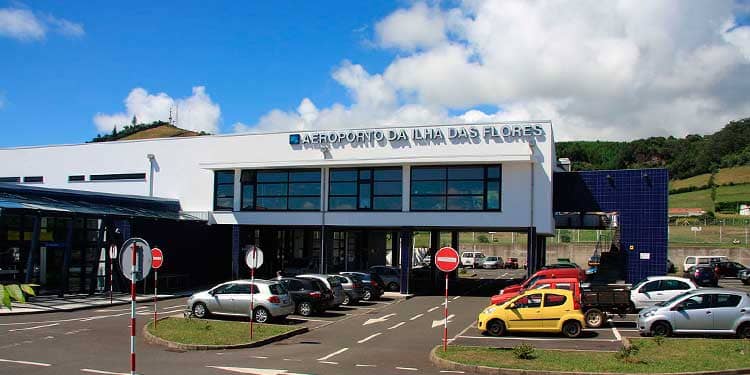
(491, 258)
(277, 289)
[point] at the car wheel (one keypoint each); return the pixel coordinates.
(367, 295)
(743, 331)
(200, 310)
(594, 318)
(496, 328)
(661, 329)
(261, 315)
(393, 287)
(305, 309)
(346, 300)
(571, 329)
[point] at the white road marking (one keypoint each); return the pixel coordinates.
(451, 372)
(116, 310)
(534, 338)
(311, 320)
(358, 365)
(259, 357)
(433, 309)
(441, 322)
(456, 297)
(366, 339)
(103, 372)
(333, 354)
(291, 360)
(36, 327)
(407, 368)
(254, 371)
(26, 363)
(397, 325)
(329, 362)
(617, 334)
(416, 316)
(378, 320)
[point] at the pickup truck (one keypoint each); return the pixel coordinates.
(597, 301)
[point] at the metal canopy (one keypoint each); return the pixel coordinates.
(15, 197)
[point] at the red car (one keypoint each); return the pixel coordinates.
(511, 263)
(551, 273)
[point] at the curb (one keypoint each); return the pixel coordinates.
(102, 306)
(485, 370)
(151, 339)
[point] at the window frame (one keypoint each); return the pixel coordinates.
(446, 181)
(216, 189)
(288, 182)
(358, 181)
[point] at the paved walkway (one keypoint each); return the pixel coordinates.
(72, 302)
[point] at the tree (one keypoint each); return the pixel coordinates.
(135, 121)
(114, 131)
(15, 292)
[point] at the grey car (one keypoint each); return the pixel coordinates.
(703, 311)
(492, 262)
(269, 297)
(353, 289)
(332, 283)
(391, 276)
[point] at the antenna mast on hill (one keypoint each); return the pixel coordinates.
(170, 116)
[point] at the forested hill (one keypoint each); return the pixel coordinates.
(684, 157)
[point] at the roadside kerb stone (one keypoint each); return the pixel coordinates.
(485, 370)
(152, 339)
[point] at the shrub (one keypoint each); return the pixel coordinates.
(524, 351)
(483, 239)
(628, 353)
(658, 340)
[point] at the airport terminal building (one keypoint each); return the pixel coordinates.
(320, 201)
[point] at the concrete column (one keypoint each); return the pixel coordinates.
(406, 188)
(237, 202)
(406, 254)
(531, 253)
(454, 241)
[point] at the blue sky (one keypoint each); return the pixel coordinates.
(598, 70)
(250, 56)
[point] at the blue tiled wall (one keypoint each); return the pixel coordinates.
(639, 196)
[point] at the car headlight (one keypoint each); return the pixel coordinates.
(489, 310)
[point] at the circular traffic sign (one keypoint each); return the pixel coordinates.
(446, 259)
(142, 259)
(157, 258)
(113, 251)
(254, 257)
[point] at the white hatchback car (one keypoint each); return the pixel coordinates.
(655, 289)
(472, 259)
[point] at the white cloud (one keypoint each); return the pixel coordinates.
(196, 112)
(598, 69)
(25, 25)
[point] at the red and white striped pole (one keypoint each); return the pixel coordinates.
(156, 279)
(445, 323)
(132, 313)
(110, 280)
(252, 293)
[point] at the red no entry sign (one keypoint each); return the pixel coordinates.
(446, 259)
(157, 258)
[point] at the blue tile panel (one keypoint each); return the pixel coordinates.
(639, 196)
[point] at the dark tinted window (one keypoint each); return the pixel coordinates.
(281, 189)
(456, 188)
(223, 190)
(551, 300)
(33, 179)
(10, 179)
(124, 176)
(530, 301)
(650, 287)
(376, 189)
(277, 289)
(727, 300)
(700, 301)
(76, 178)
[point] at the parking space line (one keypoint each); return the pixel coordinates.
(416, 316)
(433, 309)
(456, 297)
(26, 363)
(397, 325)
(258, 357)
(534, 338)
(291, 360)
(358, 365)
(451, 372)
(102, 372)
(408, 368)
(617, 334)
(368, 338)
(329, 362)
(333, 354)
(35, 327)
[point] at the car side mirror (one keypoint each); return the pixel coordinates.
(512, 306)
(212, 292)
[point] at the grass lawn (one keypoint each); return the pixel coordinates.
(697, 181)
(693, 199)
(674, 355)
(213, 332)
(733, 193)
(738, 175)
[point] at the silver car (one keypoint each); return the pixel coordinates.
(704, 311)
(332, 283)
(492, 262)
(269, 297)
(353, 289)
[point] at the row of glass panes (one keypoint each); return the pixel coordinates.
(456, 188)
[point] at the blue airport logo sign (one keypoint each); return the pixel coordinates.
(294, 139)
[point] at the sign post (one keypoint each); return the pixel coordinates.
(112, 257)
(446, 260)
(135, 264)
(253, 259)
(157, 258)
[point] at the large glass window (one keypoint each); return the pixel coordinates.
(223, 190)
(280, 190)
(456, 188)
(365, 189)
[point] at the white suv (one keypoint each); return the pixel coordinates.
(472, 259)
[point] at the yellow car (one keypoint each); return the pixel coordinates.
(536, 310)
